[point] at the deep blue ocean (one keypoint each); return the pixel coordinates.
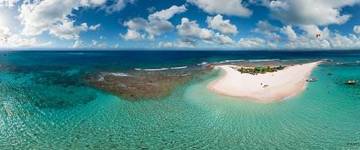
(46, 104)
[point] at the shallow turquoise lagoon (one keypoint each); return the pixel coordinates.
(47, 106)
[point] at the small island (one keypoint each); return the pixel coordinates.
(262, 84)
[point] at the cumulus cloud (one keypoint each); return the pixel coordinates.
(254, 43)
(66, 30)
(315, 38)
(94, 27)
(348, 42)
(78, 44)
(224, 26)
(92, 3)
(98, 44)
(132, 35)
(136, 23)
(357, 29)
(265, 28)
(223, 39)
(307, 37)
(289, 32)
(306, 43)
(183, 43)
(117, 5)
(8, 3)
(156, 24)
(226, 7)
(53, 16)
(310, 12)
(4, 33)
(314, 32)
(166, 44)
(192, 32)
(168, 13)
(190, 29)
(9, 39)
(93, 44)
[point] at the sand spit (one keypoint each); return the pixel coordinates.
(263, 88)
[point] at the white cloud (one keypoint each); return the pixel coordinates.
(39, 16)
(225, 7)
(341, 41)
(117, 5)
(316, 38)
(93, 44)
(94, 27)
(156, 27)
(223, 39)
(306, 43)
(166, 14)
(8, 3)
(92, 3)
(53, 16)
(254, 43)
(156, 24)
(132, 35)
(166, 44)
(357, 29)
(191, 32)
(190, 29)
(78, 44)
(265, 28)
(289, 32)
(136, 24)
(310, 12)
(184, 43)
(9, 39)
(98, 44)
(224, 26)
(4, 33)
(313, 32)
(67, 30)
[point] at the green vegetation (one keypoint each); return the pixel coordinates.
(260, 69)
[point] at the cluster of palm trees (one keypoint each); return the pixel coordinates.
(260, 69)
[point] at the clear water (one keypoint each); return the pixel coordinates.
(45, 104)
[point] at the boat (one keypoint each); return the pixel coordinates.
(311, 80)
(351, 82)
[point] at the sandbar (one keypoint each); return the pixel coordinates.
(263, 88)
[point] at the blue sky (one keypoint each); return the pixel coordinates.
(180, 24)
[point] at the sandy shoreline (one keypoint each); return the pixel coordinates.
(279, 85)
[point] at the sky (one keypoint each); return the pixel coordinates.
(180, 24)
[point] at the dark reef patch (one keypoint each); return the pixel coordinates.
(138, 85)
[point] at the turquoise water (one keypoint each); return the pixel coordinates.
(44, 104)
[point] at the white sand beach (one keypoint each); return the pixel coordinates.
(279, 85)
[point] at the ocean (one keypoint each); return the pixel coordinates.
(45, 103)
